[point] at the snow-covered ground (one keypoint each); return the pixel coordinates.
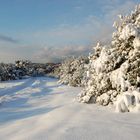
(41, 109)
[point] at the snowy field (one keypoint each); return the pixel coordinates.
(41, 109)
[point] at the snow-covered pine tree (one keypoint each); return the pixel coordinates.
(22, 68)
(114, 71)
(53, 70)
(72, 71)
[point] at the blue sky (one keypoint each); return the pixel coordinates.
(47, 30)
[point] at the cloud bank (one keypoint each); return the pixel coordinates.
(55, 54)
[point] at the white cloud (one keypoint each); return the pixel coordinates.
(55, 54)
(119, 9)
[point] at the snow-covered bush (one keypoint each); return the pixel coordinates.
(13, 71)
(72, 71)
(54, 70)
(7, 72)
(22, 68)
(114, 70)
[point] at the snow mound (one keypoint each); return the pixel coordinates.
(128, 101)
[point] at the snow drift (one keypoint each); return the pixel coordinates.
(39, 108)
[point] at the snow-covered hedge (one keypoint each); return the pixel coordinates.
(72, 71)
(114, 70)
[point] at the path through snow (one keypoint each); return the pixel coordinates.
(41, 109)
